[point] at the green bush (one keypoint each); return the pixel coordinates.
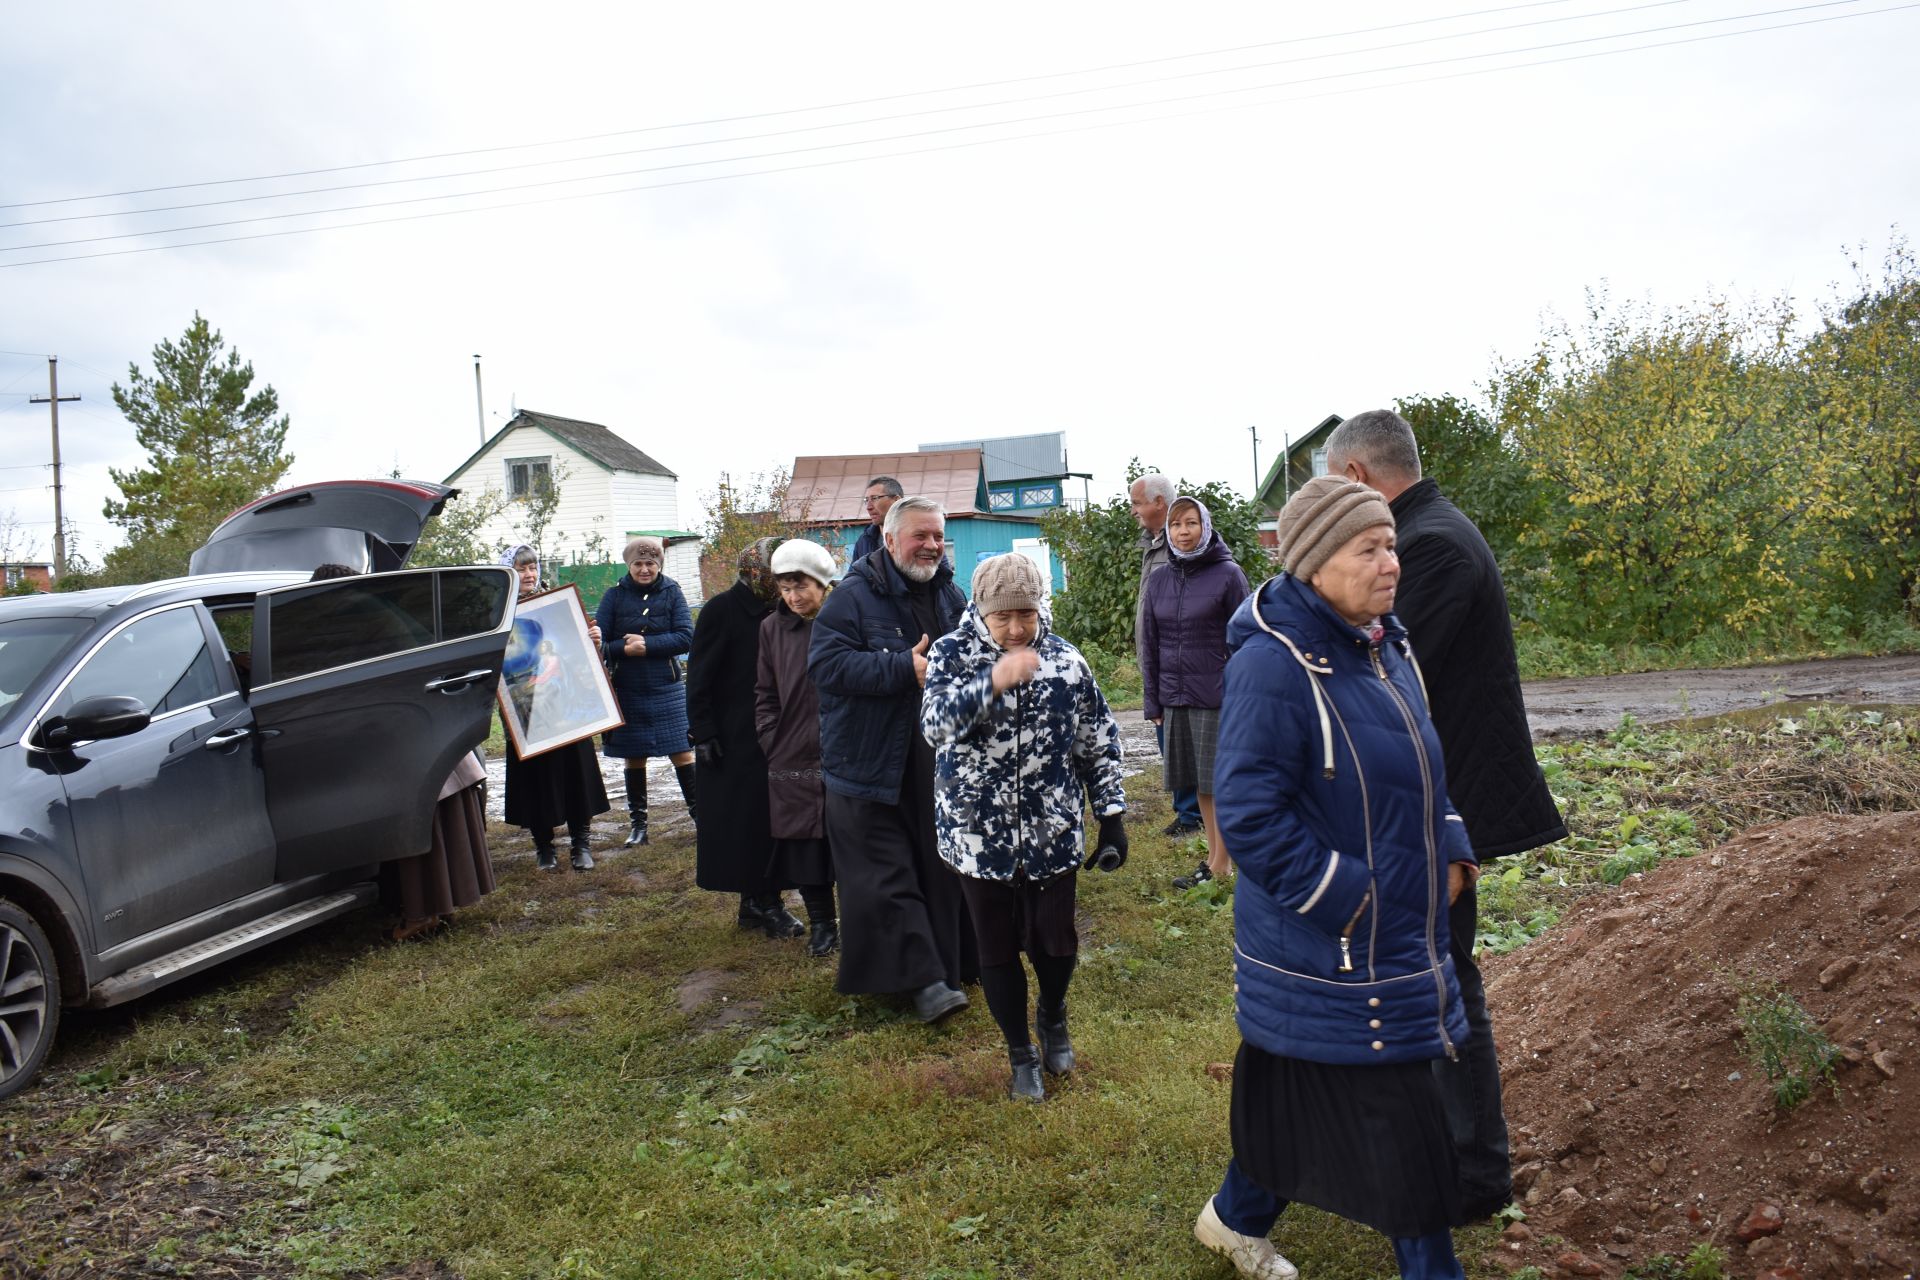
(1783, 1040)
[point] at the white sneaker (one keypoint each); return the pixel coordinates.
(1252, 1256)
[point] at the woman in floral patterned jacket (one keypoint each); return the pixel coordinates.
(1022, 739)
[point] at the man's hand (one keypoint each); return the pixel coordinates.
(708, 754)
(634, 646)
(1459, 876)
(920, 660)
(1015, 668)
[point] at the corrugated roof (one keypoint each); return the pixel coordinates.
(831, 489)
(1042, 456)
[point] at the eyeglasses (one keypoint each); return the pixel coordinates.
(872, 498)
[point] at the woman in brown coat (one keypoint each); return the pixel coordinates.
(786, 717)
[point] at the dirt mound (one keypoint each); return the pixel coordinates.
(1640, 1127)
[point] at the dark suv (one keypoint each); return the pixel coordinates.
(193, 768)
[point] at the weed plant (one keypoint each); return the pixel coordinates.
(1784, 1041)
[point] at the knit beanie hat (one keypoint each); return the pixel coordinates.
(1321, 516)
(798, 555)
(1009, 581)
(654, 549)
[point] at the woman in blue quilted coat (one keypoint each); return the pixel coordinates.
(646, 630)
(1331, 795)
(1022, 741)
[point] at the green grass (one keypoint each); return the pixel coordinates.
(525, 1095)
(1543, 655)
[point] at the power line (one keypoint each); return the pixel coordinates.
(841, 124)
(763, 115)
(951, 146)
(899, 137)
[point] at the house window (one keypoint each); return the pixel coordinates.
(1040, 495)
(1319, 462)
(528, 476)
(1001, 499)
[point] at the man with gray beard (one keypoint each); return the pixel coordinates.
(903, 923)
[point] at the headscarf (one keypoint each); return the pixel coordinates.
(515, 553)
(755, 561)
(1206, 527)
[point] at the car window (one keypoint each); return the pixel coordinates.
(471, 602)
(347, 620)
(162, 660)
(28, 646)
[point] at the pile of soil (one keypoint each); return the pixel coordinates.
(1639, 1125)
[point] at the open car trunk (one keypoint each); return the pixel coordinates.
(370, 526)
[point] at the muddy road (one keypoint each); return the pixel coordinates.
(1595, 704)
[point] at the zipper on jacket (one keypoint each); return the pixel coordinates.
(1433, 849)
(1346, 934)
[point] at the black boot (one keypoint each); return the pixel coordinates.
(768, 913)
(1056, 1050)
(578, 833)
(637, 806)
(543, 851)
(683, 773)
(1026, 1084)
(823, 937)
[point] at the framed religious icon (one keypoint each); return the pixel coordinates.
(553, 689)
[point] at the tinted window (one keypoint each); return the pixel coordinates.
(28, 646)
(348, 620)
(471, 603)
(161, 660)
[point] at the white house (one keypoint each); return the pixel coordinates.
(608, 489)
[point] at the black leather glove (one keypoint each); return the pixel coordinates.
(1110, 854)
(708, 754)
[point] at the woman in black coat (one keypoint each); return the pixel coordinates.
(645, 627)
(735, 851)
(558, 786)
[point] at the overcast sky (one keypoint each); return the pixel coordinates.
(1302, 237)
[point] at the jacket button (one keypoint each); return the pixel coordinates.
(1374, 1024)
(1377, 1046)
(1373, 1003)
(1236, 988)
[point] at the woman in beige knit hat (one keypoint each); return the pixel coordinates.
(1332, 796)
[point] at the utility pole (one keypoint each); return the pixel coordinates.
(52, 400)
(1255, 433)
(479, 401)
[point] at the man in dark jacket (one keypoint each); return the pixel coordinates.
(903, 924)
(734, 850)
(1454, 607)
(882, 493)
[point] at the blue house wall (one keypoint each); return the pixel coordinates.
(970, 539)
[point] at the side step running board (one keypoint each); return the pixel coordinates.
(225, 946)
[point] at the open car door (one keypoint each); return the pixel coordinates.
(367, 690)
(370, 526)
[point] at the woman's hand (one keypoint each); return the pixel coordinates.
(635, 646)
(1459, 876)
(593, 632)
(1015, 668)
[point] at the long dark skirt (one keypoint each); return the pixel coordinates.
(552, 790)
(1368, 1143)
(801, 864)
(903, 922)
(1011, 916)
(456, 872)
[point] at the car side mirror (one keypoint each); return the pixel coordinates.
(91, 719)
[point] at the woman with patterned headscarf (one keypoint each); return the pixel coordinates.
(645, 626)
(735, 833)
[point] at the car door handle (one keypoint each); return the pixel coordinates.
(454, 684)
(226, 738)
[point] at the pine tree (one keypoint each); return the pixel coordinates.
(211, 447)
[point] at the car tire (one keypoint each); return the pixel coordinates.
(29, 998)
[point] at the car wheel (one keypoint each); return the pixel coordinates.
(29, 998)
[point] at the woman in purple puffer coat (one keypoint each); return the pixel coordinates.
(1183, 658)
